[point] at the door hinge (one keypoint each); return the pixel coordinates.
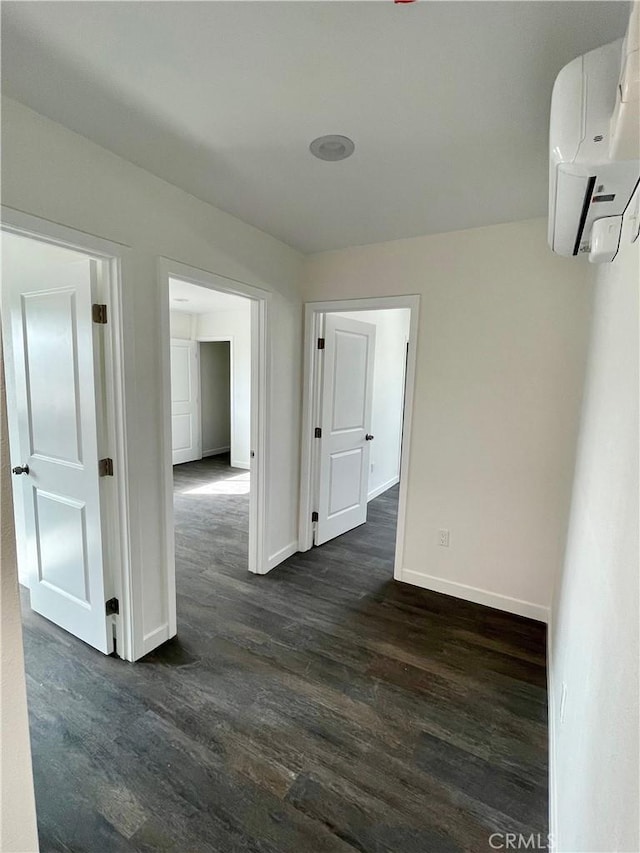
(314, 516)
(317, 432)
(320, 343)
(112, 607)
(99, 313)
(105, 467)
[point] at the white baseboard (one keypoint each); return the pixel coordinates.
(281, 555)
(478, 596)
(215, 452)
(551, 716)
(236, 463)
(383, 488)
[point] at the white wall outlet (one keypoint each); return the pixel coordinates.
(563, 702)
(443, 538)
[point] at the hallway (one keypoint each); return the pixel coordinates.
(321, 708)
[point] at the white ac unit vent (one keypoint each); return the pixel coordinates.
(588, 180)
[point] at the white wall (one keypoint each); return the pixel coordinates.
(594, 637)
(501, 350)
(180, 324)
(50, 172)
(215, 397)
(18, 830)
(235, 324)
(392, 334)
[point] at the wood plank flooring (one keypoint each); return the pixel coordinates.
(319, 709)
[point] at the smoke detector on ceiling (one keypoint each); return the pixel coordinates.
(332, 147)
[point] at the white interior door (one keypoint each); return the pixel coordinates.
(56, 353)
(346, 397)
(185, 402)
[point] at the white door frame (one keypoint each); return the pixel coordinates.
(167, 268)
(313, 323)
(117, 521)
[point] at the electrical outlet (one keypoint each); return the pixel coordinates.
(563, 702)
(443, 538)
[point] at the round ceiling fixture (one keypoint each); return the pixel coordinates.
(332, 147)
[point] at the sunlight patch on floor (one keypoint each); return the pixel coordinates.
(238, 484)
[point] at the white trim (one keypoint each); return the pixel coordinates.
(167, 268)
(478, 596)
(260, 421)
(121, 508)
(375, 493)
(282, 555)
(553, 731)
(217, 451)
(313, 314)
(311, 400)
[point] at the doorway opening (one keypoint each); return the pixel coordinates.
(210, 374)
(215, 372)
(210, 421)
(62, 335)
(357, 400)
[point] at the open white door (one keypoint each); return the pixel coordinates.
(56, 356)
(185, 402)
(346, 398)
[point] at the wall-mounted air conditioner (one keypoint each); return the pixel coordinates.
(592, 177)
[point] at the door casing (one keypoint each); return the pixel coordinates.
(314, 313)
(117, 521)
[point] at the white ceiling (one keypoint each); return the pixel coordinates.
(201, 300)
(447, 103)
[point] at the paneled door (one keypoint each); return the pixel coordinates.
(186, 441)
(346, 398)
(56, 352)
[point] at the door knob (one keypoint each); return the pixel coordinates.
(368, 437)
(21, 469)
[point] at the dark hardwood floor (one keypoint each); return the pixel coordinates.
(321, 708)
